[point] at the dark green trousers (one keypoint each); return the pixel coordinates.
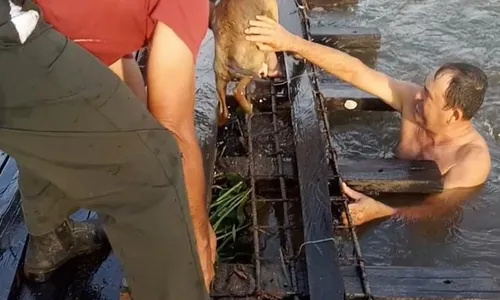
(82, 140)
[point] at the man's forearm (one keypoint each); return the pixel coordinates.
(192, 165)
(335, 62)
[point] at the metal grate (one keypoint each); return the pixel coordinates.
(288, 258)
(340, 199)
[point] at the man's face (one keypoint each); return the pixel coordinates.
(430, 103)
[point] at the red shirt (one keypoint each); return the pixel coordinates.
(112, 29)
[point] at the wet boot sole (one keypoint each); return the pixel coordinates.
(43, 275)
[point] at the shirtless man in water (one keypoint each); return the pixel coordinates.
(435, 118)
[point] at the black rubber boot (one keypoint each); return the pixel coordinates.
(48, 252)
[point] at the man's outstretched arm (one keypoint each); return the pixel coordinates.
(272, 36)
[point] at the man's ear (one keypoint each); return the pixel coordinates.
(456, 115)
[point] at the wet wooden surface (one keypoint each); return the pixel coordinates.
(392, 175)
(365, 175)
(343, 96)
(329, 4)
(12, 230)
(324, 278)
(423, 283)
(346, 37)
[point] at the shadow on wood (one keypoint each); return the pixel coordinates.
(365, 175)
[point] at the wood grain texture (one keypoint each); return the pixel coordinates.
(346, 37)
(337, 94)
(423, 283)
(324, 278)
(12, 228)
(329, 4)
(365, 175)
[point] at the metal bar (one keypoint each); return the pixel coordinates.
(334, 159)
(253, 202)
(278, 200)
(286, 219)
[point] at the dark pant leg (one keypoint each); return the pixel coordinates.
(45, 206)
(75, 124)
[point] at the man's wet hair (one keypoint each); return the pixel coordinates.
(466, 89)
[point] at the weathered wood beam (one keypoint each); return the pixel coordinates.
(346, 97)
(362, 43)
(365, 175)
(324, 278)
(422, 283)
(346, 37)
(12, 228)
(329, 4)
(343, 96)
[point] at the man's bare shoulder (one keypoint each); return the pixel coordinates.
(472, 167)
(476, 150)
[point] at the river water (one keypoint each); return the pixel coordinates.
(418, 36)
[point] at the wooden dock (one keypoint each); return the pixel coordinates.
(282, 152)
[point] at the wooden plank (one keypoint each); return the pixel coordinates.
(329, 4)
(346, 37)
(423, 283)
(12, 228)
(381, 175)
(324, 278)
(392, 175)
(360, 42)
(343, 96)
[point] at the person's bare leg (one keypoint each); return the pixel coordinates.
(129, 72)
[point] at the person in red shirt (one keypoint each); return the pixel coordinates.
(110, 30)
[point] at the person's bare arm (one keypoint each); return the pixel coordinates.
(354, 71)
(365, 209)
(472, 168)
(171, 98)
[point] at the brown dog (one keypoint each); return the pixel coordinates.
(237, 59)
